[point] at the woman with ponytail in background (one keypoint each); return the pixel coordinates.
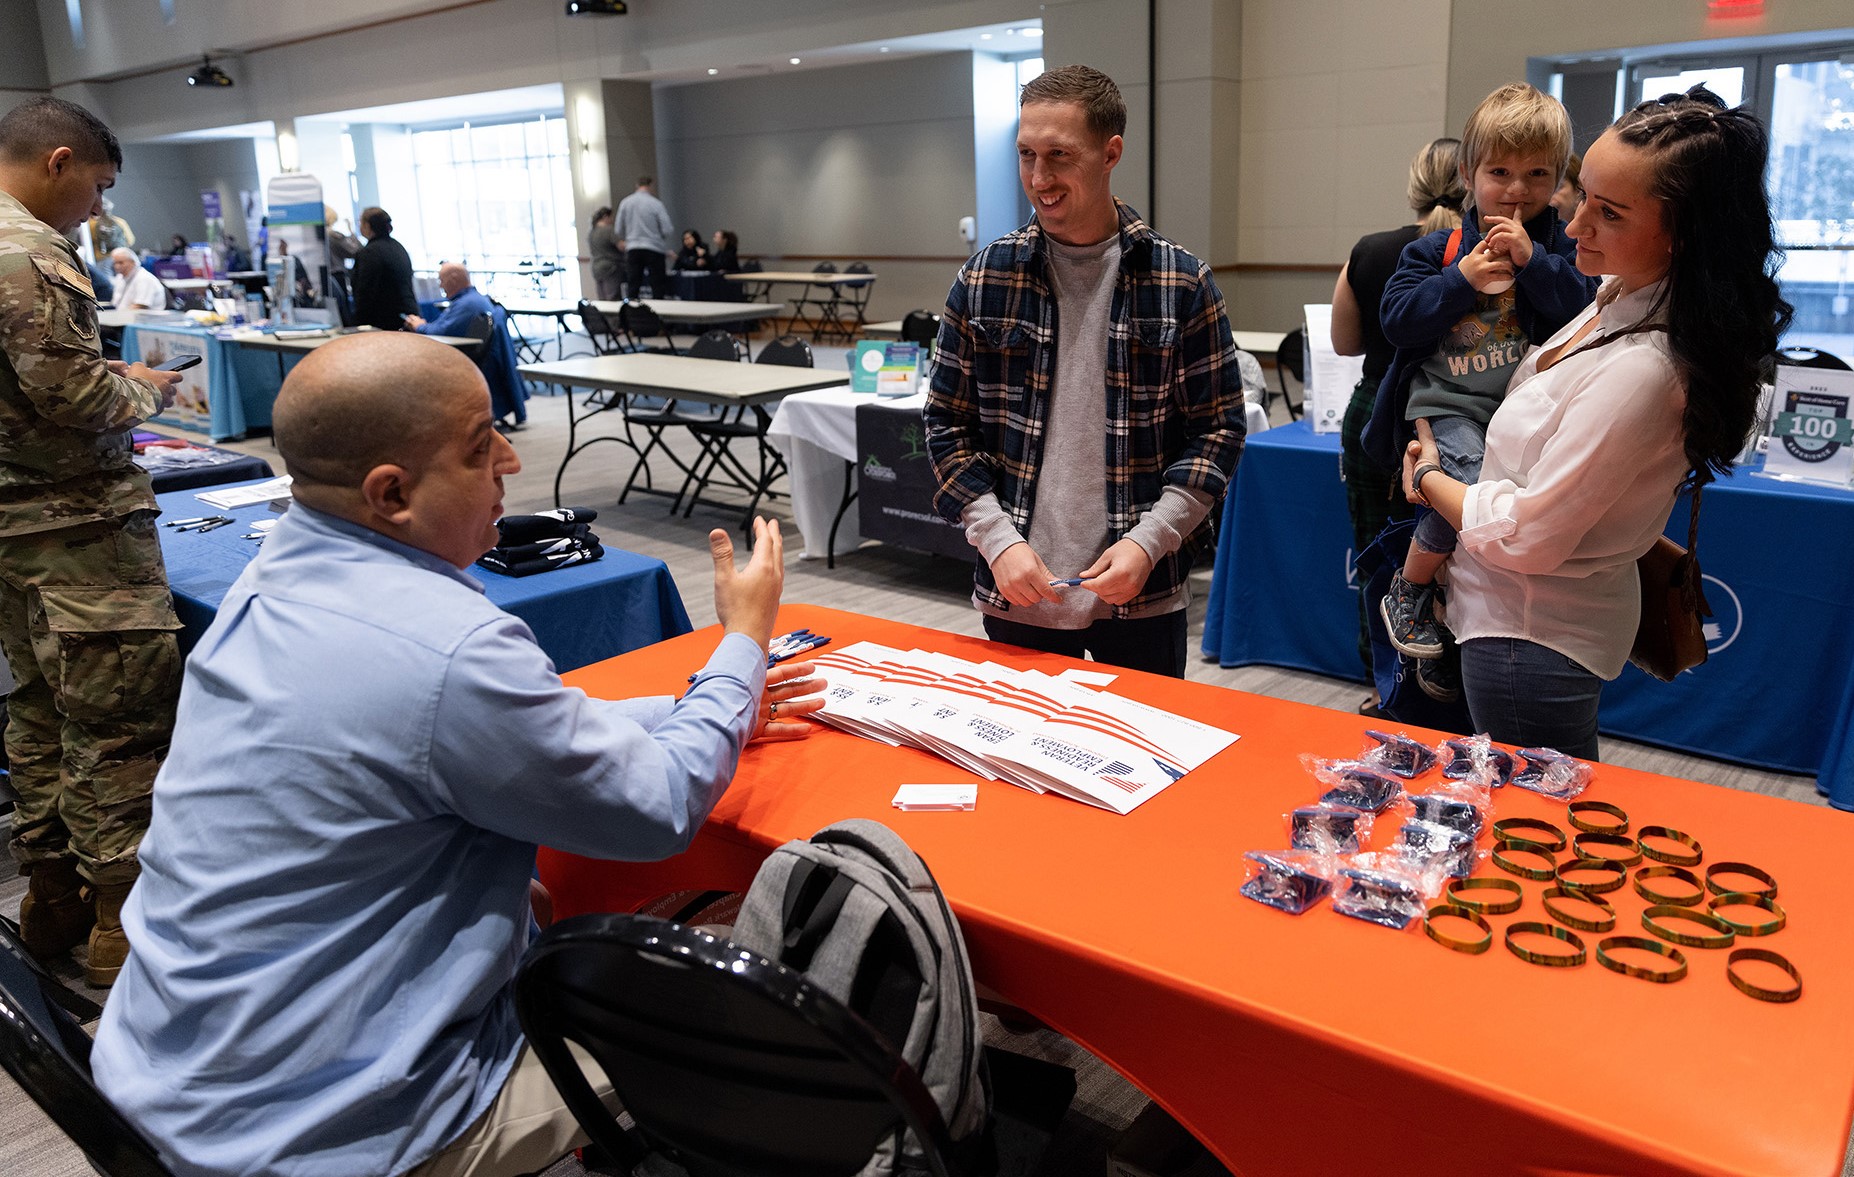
(1653, 387)
(1435, 193)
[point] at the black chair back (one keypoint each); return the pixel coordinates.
(788, 350)
(824, 268)
(481, 327)
(857, 268)
(921, 327)
(733, 1064)
(1810, 357)
(45, 1050)
(600, 329)
(752, 265)
(638, 323)
(716, 344)
(1291, 360)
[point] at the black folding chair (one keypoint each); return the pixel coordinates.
(600, 329)
(735, 1066)
(921, 327)
(1811, 357)
(853, 297)
(638, 324)
(1291, 360)
(44, 1048)
(718, 460)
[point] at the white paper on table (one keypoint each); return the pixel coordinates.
(1812, 426)
(930, 798)
(1112, 751)
(1330, 376)
(244, 496)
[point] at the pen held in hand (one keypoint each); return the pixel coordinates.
(1070, 582)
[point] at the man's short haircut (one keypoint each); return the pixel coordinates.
(600, 213)
(1086, 87)
(646, 181)
(125, 251)
(1517, 119)
(34, 129)
(375, 219)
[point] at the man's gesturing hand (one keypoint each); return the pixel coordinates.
(747, 599)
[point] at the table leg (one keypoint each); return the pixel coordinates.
(849, 496)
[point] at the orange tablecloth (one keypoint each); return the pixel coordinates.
(1320, 1044)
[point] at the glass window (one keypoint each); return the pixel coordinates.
(1727, 81)
(499, 198)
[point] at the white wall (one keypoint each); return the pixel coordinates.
(869, 162)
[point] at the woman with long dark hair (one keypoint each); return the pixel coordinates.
(1653, 387)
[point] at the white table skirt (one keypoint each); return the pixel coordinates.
(816, 431)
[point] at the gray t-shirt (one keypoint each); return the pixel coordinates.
(643, 223)
(1068, 527)
(1466, 376)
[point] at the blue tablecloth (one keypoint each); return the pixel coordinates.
(241, 383)
(579, 615)
(1776, 692)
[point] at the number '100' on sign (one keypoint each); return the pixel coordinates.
(1812, 433)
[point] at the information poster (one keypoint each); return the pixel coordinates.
(892, 369)
(1812, 429)
(299, 240)
(1330, 376)
(192, 407)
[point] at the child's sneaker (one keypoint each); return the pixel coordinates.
(1410, 618)
(1440, 678)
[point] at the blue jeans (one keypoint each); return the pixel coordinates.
(1461, 443)
(1529, 695)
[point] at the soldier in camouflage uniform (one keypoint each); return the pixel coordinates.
(85, 616)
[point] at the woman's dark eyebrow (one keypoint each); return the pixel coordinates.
(1606, 200)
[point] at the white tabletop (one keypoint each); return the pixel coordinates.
(887, 329)
(709, 381)
(799, 276)
(1261, 344)
(684, 310)
(260, 341)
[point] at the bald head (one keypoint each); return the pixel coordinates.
(454, 278)
(123, 261)
(386, 398)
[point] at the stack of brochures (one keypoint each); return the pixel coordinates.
(1037, 731)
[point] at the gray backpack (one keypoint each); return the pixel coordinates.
(859, 914)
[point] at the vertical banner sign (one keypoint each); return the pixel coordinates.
(298, 258)
(215, 220)
(1812, 430)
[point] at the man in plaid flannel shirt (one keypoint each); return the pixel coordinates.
(1121, 417)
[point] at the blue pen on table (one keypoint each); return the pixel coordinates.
(1070, 582)
(786, 645)
(794, 651)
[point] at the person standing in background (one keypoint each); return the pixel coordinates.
(607, 258)
(646, 235)
(109, 232)
(85, 615)
(382, 275)
(342, 247)
(1435, 192)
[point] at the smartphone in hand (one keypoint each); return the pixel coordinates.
(179, 363)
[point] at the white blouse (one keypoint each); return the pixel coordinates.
(1582, 466)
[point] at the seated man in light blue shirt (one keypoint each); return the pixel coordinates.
(467, 302)
(335, 884)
